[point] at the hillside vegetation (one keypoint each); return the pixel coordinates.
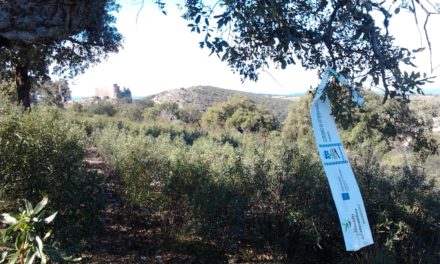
(230, 184)
(202, 97)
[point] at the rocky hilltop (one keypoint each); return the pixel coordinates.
(202, 97)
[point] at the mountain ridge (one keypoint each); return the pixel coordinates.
(202, 97)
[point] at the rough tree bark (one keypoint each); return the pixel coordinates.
(44, 21)
(4, 42)
(23, 84)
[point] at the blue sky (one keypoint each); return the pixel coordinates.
(161, 53)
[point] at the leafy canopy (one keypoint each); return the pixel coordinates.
(239, 114)
(69, 34)
(66, 35)
(349, 36)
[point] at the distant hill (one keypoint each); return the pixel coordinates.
(203, 97)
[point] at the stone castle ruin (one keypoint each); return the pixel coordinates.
(113, 92)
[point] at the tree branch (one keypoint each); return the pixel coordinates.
(428, 15)
(428, 40)
(45, 21)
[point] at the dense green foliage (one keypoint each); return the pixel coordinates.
(23, 238)
(203, 97)
(252, 194)
(396, 133)
(238, 114)
(266, 193)
(427, 106)
(164, 112)
(41, 153)
(7, 91)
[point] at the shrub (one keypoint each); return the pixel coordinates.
(164, 112)
(22, 239)
(402, 209)
(238, 115)
(77, 107)
(130, 111)
(8, 91)
(267, 192)
(103, 107)
(207, 177)
(42, 154)
(189, 114)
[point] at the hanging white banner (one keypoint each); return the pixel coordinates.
(343, 185)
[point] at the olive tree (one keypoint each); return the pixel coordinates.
(54, 92)
(66, 35)
(239, 114)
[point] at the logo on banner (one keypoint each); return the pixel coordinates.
(347, 225)
(332, 154)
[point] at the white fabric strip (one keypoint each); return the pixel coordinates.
(343, 185)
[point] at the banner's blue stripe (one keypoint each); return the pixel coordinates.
(330, 145)
(336, 162)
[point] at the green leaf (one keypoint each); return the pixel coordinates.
(29, 207)
(53, 254)
(72, 259)
(14, 257)
(30, 257)
(19, 240)
(198, 19)
(39, 246)
(8, 233)
(3, 257)
(40, 206)
(8, 219)
(47, 235)
(5, 244)
(50, 218)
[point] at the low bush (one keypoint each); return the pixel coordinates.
(103, 107)
(269, 195)
(23, 240)
(265, 193)
(130, 111)
(42, 153)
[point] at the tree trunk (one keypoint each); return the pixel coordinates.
(23, 86)
(4, 42)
